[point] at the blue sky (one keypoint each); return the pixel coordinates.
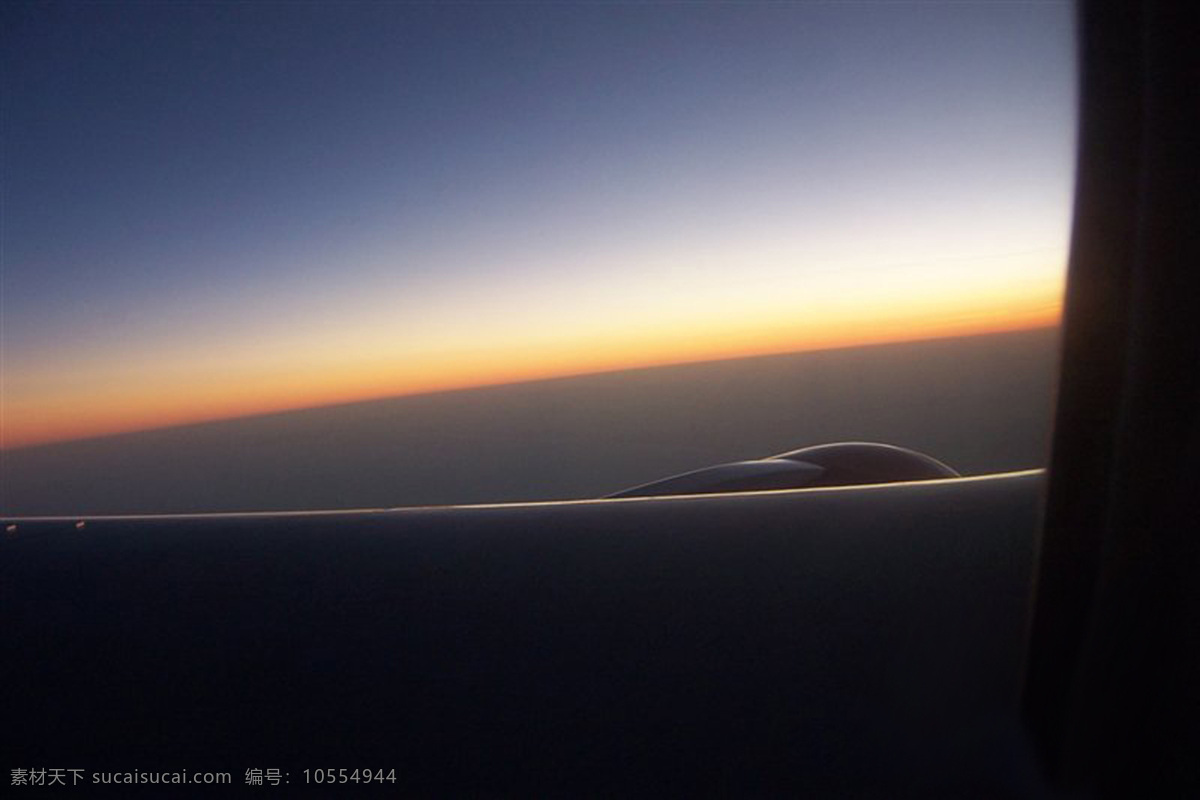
(270, 197)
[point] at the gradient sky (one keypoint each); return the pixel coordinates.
(219, 209)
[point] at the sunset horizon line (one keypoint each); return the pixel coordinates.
(1034, 319)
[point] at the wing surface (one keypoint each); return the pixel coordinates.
(845, 641)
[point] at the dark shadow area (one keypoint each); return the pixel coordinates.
(859, 642)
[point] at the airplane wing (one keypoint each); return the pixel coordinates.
(843, 641)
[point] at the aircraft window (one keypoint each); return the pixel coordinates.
(284, 257)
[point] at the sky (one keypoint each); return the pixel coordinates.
(219, 209)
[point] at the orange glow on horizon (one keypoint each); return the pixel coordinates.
(211, 395)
